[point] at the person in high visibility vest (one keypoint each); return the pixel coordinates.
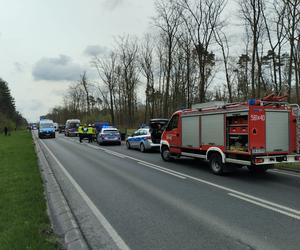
(82, 132)
(90, 133)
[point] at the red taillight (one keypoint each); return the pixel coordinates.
(297, 158)
(258, 160)
(148, 137)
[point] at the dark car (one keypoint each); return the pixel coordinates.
(61, 128)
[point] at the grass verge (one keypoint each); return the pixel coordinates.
(291, 166)
(24, 223)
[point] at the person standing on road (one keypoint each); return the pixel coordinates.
(90, 133)
(5, 131)
(81, 130)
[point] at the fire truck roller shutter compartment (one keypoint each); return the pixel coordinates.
(212, 130)
(277, 131)
(191, 131)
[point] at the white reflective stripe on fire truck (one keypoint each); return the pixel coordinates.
(216, 150)
(164, 142)
(241, 162)
(194, 155)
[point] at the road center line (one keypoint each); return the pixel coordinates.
(265, 206)
(164, 171)
(222, 187)
(104, 222)
(230, 190)
(116, 154)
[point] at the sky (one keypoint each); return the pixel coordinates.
(47, 44)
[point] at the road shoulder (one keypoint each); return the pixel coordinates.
(98, 234)
(61, 216)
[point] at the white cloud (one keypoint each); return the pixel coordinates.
(95, 50)
(61, 68)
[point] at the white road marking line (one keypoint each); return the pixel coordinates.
(108, 227)
(284, 173)
(90, 145)
(167, 172)
(140, 162)
(244, 194)
(230, 190)
(116, 154)
(265, 206)
(222, 187)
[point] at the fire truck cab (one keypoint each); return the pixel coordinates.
(256, 134)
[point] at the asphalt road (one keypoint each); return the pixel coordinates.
(153, 204)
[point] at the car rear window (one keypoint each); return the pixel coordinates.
(110, 131)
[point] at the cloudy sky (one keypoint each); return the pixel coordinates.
(46, 44)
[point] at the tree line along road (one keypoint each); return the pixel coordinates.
(151, 204)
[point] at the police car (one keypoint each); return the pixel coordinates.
(109, 135)
(141, 139)
(147, 138)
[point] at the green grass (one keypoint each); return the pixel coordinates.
(292, 166)
(24, 223)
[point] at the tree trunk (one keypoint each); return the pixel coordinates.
(166, 99)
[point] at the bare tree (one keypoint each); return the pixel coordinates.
(146, 63)
(274, 26)
(106, 68)
(167, 20)
(128, 53)
(297, 67)
(201, 18)
(251, 12)
(188, 74)
(84, 83)
(222, 41)
(292, 23)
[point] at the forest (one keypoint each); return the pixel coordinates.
(190, 56)
(9, 116)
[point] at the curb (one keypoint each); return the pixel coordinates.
(62, 219)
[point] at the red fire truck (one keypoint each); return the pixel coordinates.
(256, 134)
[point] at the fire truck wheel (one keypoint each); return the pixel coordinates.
(165, 154)
(216, 164)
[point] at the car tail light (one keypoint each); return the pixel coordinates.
(297, 158)
(148, 137)
(258, 160)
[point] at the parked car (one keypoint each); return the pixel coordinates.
(147, 137)
(34, 127)
(100, 125)
(109, 135)
(71, 128)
